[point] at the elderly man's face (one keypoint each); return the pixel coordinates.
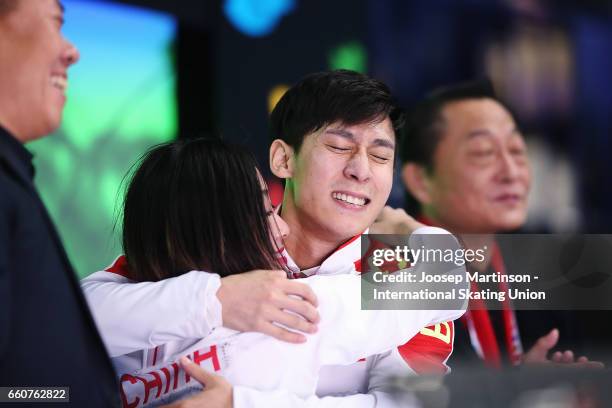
(33, 69)
(481, 174)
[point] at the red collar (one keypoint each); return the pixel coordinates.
(120, 267)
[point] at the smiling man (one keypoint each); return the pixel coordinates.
(47, 336)
(465, 162)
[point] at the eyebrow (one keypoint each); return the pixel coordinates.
(348, 135)
(61, 6)
(486, 132)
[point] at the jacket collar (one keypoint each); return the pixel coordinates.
(14, 155)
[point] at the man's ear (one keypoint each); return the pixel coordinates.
(417, 182)
(282, 159)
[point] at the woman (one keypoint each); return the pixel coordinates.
(201, 205)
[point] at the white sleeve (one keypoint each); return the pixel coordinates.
(348, 333)
(136, 316)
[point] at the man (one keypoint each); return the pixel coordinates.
(335, 147)
(47, 336)
(465, 162)
(334, 144)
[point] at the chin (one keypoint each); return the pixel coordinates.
(510, 222)
(54, 118)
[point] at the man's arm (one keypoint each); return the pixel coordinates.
(348, 333)
(135, 316)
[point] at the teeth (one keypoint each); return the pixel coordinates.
(59, 82)
(349, 199)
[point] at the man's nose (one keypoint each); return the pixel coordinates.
(510, 166)
(358, 167)
(71, 54)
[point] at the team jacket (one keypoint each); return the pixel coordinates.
(148, 326)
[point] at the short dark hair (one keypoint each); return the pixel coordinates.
(425, 125)
(195, 204)
(326, 97)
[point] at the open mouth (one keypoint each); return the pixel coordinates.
(60, 82)
(347, 198)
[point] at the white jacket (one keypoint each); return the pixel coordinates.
(148, 326)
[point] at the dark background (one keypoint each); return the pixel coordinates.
(550, 60)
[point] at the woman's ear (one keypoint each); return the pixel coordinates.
(282, 159)
(416, 180)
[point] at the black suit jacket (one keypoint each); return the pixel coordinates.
(47, 335)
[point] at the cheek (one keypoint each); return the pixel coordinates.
(323, 171)
(310, 178)
(383, 183)
(526, 177)
(464, 188)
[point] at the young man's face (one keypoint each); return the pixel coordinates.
(481, 174)
(342, 179)
(33, 70)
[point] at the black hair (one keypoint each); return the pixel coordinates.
(425, 125)
(323, 98)
(195, 204)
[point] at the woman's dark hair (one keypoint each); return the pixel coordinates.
(195, 204)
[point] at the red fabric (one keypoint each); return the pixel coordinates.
(119, 267)
(478, 316)
(483, 326)
(428, 351)
(276, 190)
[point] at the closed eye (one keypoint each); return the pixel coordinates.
(59, 21)
(482, 152)
(339, 149)
(381, 159)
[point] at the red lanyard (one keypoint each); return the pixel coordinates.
(478, 320)
(479, 323)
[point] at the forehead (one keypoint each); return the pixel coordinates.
(41, 7)
(367, 132)
(462, 117)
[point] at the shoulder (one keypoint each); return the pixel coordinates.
(116, 272)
